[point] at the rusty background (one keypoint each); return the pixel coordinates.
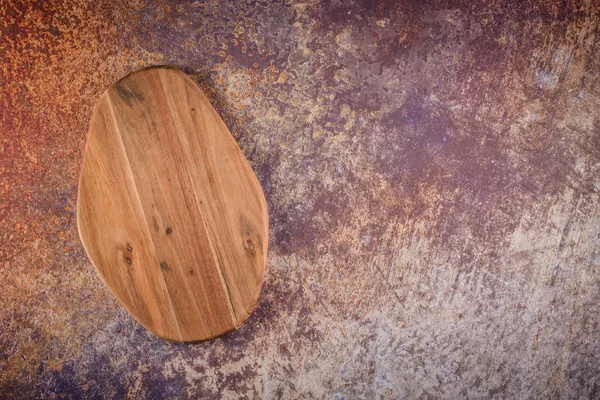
(432, 170)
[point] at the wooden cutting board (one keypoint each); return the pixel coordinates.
(169, 210)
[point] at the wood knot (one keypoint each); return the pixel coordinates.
(164, 266)
(168, 231)
(129, 248)
(249, 245)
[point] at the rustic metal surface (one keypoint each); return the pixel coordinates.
(433, 176)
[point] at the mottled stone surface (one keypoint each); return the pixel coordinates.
(432, 171)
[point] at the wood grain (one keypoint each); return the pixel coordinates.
(169, 210)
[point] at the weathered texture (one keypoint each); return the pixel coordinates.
(432, 171)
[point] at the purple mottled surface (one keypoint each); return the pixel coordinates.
(432, 170)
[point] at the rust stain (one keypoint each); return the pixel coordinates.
(432, 175)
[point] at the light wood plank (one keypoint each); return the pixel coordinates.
(169, 210)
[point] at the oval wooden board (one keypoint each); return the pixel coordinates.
(169, 210)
